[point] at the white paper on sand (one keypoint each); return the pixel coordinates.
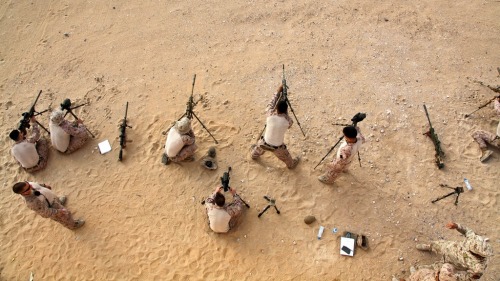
(348, 243)
(104, 147)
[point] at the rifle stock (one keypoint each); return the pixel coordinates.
(435, 140)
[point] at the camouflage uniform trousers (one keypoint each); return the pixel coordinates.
(453, 253)
(65, 219)
(445, 272)
(77, 141)
(42, 147)
(185, 153)
(483, 138)
(334, 170)
(281, 152)
(235, 209)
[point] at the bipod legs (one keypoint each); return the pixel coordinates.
(456, 190)
(272, 202)
(293, 112)
(195, 116)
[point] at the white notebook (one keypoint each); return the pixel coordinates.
(104, 147)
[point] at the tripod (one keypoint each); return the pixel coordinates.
(66, 105)
(272, 202)
(190, 113)
(456, 190)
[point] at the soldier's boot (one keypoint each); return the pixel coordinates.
(79, 223)
(164, 159)
(63, 200)
(295, 163)
(252, 148)
(485, 155)
(189, 159)
(423, 247)
(323, 179)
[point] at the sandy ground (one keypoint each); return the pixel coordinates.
(145, 221)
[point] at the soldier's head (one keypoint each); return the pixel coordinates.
(23, 188)
(219, 199)
(183, 126)
(15, 134)
(350, 133)
(57, 116)
(282, 107)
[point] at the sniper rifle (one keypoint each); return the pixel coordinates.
(123, 135)
(437, 144)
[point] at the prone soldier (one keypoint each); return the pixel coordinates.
(470, 255)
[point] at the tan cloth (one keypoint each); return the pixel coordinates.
(276, 127)
(174, 142)
(58, 137)
(223, 219)
(219, 219)
(25, 152)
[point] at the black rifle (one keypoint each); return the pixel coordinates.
(224, 180)
(355, 120)
(66, 105)
(457, 190)
(190, 113)
(494, 89)
(123, 135)
(284, 97)
(437, 144)
(24, 123)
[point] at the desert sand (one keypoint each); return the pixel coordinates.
(144, 220)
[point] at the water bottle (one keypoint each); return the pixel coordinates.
(320, 232)
(467, 184)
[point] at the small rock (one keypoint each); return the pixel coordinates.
(309, 219)
(401, 259)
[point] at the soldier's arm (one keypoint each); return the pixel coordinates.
(35, 133)
(462, 229)
(235, 208)
(360, 135)
(211, 199)
(188, 139)
(272, 104)
(496, 105)
(71, 129)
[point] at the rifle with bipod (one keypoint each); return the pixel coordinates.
(123, 135)
(284, 97)
(437, 144)
(494, 89)
(190, 111)
(66, 105)
(24, 123)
